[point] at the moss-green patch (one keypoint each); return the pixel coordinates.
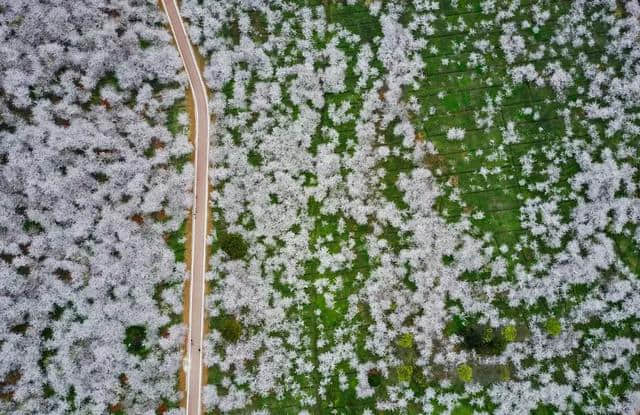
(544, 410)
(463, 409)
(405, 340)
(628, 251)
(404, 373)
(505, 373)
(509, 333)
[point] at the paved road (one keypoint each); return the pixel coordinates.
(193, 364)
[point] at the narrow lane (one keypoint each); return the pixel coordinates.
(195, 335)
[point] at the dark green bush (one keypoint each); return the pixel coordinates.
(254, 158)
(32, 226)
(231, 329)
(479, 337)
(233, 245)
(483, 340)
(374, 377)
(134, 340)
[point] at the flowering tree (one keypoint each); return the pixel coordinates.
(89, 189)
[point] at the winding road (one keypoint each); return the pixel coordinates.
(193, 363)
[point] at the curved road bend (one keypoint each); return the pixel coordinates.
(193, 366)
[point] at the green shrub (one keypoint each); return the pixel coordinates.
(465, 373)
(405, 341)
(48, 391)
(231, 329)
(32, 226)
(374, 377)
(404, 372)
(487, 335)
(505, 373)
(509, 333)
(233, 245)
(481, 338)
(100, 176)
(553, 326)
(47, 333)
(45, 355)
(134, 340)
(254, 158)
